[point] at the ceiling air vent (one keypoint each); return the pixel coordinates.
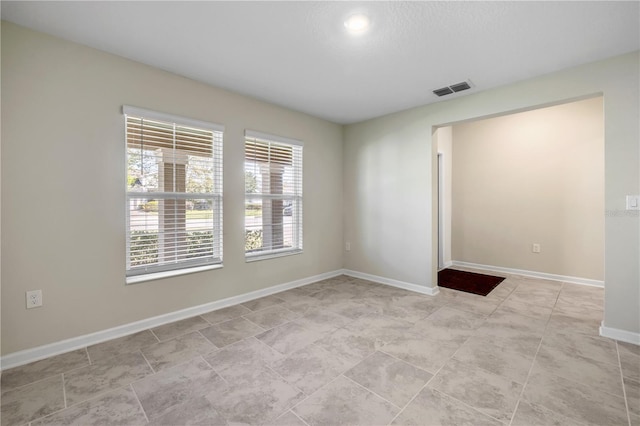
(454, 88)
(443, 91)
(460, 87)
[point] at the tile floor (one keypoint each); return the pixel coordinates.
(348, 351)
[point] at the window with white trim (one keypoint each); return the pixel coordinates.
(273, 196)
(174, 194)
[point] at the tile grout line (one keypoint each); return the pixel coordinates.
(214, 370)
(182, 333)
(533, 361)
(206, 320)
(261, 326)
(47, 377)
(64, 392)
(371, 391)
(535, 356)
(208, 363)
(436, 373)
(577, 382)
(597, 361)
(335, 356)
(624, 391)
(553, 308)
(308, 396)
(216, 348)
(135, 394)
(451, 397)
(175, 366)
(268, 367)
(64, 400)
(411, 400)
(453, 356)
(292, 385)
(155, 335)
(381, 350)
(220, 322)
(86, 349)
(297, 416)
(147, 361)
(67, 407)
(38, 381)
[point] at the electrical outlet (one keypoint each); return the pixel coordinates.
(347, 246)
(34, 299)
(535, 248)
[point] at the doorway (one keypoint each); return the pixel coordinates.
(527, 192)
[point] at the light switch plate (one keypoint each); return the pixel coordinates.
(633, 202)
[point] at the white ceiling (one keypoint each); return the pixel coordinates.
(298, 54)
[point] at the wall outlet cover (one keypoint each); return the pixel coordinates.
(34, 299)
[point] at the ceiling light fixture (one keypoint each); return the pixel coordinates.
(357, 24)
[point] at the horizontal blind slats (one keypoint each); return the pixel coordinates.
(157, 135)
(175, 202)
(273, 198)
(266, 152)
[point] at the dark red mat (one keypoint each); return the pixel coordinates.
(469, 282)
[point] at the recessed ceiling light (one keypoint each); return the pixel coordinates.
(357, 24)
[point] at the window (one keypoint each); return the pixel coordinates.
(174, 194)
(273, 196)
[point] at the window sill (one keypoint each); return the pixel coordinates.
(271, 255)
(135, 279)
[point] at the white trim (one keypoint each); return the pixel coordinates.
(617, 334)
(30, 355)
(534, 274)
(429, 291)
(441, 227)
(271, 138)
(190, 122)
(446, 265)
(143, 277)
(271, 254)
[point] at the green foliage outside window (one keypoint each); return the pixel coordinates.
(144, 246)
(253, 240)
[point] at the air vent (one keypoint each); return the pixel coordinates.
(460, 87)
(443, 91)
(454, 88)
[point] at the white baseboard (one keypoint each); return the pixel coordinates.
(534, 274)
(394, 283)
(35, 354)
(446, 265)
(617, 334)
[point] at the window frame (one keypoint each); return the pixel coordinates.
(296, 198)
(183, 266)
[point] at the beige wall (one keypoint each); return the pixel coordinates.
(63, 179)
(389, 178)
(63, 190)
(532, 177)
(388, 187)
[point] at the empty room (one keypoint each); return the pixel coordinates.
(320, 213)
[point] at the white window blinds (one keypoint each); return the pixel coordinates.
(273, 195)
(174, 192)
